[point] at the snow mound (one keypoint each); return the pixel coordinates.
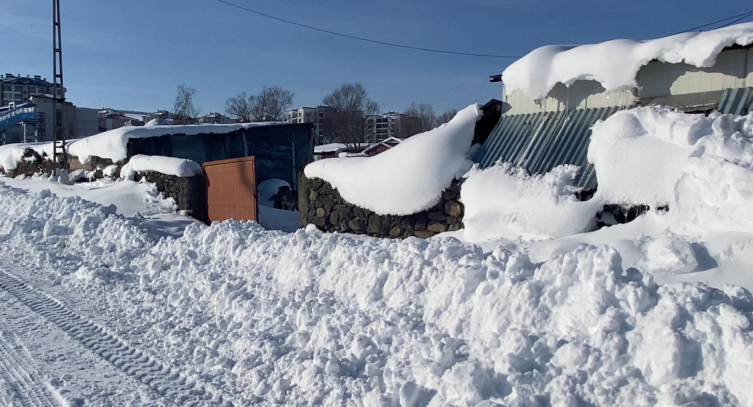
(504, 201)
(700, 166)
(314, 318)
(112, 144)
(616, 63)
(178, 167)
(411, 176)
(12, 154)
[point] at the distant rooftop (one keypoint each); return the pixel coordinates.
(19, 80)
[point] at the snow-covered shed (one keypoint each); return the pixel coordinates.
(281, 149)
(555, 94)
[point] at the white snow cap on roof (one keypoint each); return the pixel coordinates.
(178, 167)
(616, 63)
(112, 144)
(411, 176)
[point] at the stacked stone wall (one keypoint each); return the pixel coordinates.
(321, 205)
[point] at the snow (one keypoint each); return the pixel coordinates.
(178, 167)
(314, 318)
(615, 64)
(506, 202)
(12, 154)
(408, 178)
(112, 144)
(329, 148)
(269, 188)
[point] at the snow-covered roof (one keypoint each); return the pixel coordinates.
(112, 144)
(411, 176)
(11, 154)
(178, 167)
(616, 63)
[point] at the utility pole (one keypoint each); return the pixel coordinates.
(59, 155)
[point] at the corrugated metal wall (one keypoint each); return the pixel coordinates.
(539, 142)
(737, 101)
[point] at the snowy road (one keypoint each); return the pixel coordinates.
(51, 355)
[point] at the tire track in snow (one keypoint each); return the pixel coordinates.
(26, 385)
(163, 379)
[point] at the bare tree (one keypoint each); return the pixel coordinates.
(240, 107)
(184, 108)
(350, 104)
(425, 118)
(270, 104)
(446, 116)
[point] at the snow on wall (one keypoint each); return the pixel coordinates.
(616, 63)
(178, 167)
(408, 178)
(11, 154)
(113, 144)
(312, 318)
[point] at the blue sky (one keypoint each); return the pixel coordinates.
(133, 54)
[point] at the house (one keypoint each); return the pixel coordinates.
(380, 147)
(554, 95)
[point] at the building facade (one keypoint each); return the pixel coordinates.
(320, 117)
(17, 89)
(391, 124)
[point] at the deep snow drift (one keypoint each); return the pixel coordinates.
(411, 176)
(309, 318)
(697, 166)
(12, 154)
(616, 63)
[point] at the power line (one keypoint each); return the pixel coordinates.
(353, 37)
(738, 20)
(741, 15)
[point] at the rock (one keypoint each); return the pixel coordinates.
(313, 195)
(423, 234)
(454, 227)
(320, 212)
(396, 231)
(420, 225)
(437, 216)
(437, 227)
(319, 222)
(317, 183)
(453, 208)
(357, 225)
(449, 195)
(374, 227)
(345, 213)
(334, 218)
(452, 220)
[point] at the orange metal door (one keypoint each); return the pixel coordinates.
(231, 189)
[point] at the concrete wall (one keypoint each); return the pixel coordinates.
(321, 205)
(733, 69)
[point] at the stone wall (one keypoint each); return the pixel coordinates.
(321, 205)
(189, 193)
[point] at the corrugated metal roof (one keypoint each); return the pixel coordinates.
(539, 142)
(737, 101)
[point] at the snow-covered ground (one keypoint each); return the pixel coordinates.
(106, 312)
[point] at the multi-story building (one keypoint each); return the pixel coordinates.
(320, 117)
(18, 89)
(391, 124)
